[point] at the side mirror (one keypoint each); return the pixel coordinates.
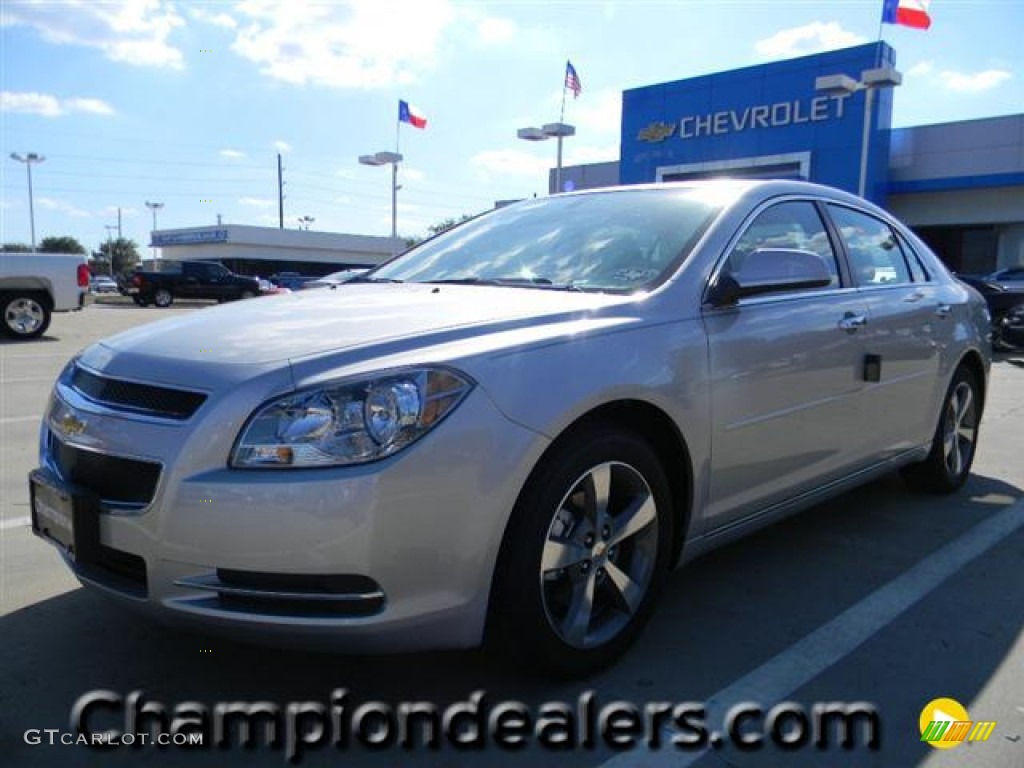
(770, 270)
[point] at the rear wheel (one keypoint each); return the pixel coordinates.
(953, 446)
(584, 556)
(24, 315)
(163, 297)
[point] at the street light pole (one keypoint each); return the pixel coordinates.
(154, 207)
(28, 159)
(870, 81)
(557, 131)
(392, 159)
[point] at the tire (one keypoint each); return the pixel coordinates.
(561, 551)
(24, 315)
(139, 301)
(246, 295)
(162, 297)
(956, 437)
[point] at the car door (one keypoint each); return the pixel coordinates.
(906, 319)
(786, 373)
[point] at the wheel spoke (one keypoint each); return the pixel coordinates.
(966, 434)
(581, 607)
(954, 462)
(562, 553)
(965, 401)
(597, 489)
(628, 590)
(640, 513)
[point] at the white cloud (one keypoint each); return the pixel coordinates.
(811, 38)
(217, 19)
(412, 174)
(282, 146)
(495, 31)
(596, 114)
(232, 154)
(510, 162)
(47, 105)
(54, 204)
(921, 69)
(963, 82)
(363, 44)
(257, 202)
(130, 31)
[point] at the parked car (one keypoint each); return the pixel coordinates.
(103, 284)
(1009, 330)
(190, 280)
(35, 285)
(336, 278)
(1012, 278)
(516, 429)
(293, 281)
(1001, 300)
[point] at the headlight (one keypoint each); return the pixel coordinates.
(350, 422)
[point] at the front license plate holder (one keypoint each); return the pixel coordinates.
(65, 515)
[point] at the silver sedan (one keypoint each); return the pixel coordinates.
(514, 431)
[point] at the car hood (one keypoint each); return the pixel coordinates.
(266, 331)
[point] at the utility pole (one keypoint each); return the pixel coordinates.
(110, 246)
(119, 235)
(280, 194)
(28, 160)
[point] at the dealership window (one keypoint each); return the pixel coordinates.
(875, 256)
(795, 225)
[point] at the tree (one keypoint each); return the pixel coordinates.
(64, 244)
(16, 248)
(438, 228)
(125, 253)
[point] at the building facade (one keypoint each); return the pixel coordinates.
(827, 118)
(264, 251)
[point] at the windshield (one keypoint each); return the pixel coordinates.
(621, 241)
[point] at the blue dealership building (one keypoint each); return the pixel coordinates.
(827, 118)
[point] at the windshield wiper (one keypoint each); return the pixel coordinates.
(368, 279)
(509, 282)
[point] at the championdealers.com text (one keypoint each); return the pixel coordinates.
(105, 719)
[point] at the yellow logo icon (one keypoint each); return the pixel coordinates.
(656, 132)
(945, 724)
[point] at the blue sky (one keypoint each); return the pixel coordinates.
(188, 103)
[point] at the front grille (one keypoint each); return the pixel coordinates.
(168, 403)
(127, 481)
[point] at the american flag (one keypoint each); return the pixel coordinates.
(572, 80)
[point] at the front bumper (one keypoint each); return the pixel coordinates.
(393, 555)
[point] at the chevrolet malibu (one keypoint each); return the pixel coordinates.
(514, 431)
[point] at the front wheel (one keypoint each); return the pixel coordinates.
(585, 554)
(163, 298)
(25, 316)
(956, 436)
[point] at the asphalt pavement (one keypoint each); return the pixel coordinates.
(881, 596)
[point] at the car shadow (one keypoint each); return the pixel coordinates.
(722, 615)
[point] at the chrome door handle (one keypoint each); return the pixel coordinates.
(852, 322)
(943, 310)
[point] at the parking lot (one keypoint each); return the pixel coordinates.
(880, 596)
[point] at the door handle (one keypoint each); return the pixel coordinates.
(943, 310)
(851, 322)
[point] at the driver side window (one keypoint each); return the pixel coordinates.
(795, 226)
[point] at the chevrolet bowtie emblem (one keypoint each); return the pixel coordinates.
(71, 425)
(656, 132)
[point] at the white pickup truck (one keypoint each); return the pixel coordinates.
(34, 285)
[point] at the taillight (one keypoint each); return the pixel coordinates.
(83, 276)
(137, 281)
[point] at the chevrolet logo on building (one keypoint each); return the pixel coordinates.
(656, 132)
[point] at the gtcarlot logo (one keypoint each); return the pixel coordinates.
(105, 719)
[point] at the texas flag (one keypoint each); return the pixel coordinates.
(409, 114)
(909, 13)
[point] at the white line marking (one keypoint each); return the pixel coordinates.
(29, 381)
(21, 419)
(806, 659)
(16, 522)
